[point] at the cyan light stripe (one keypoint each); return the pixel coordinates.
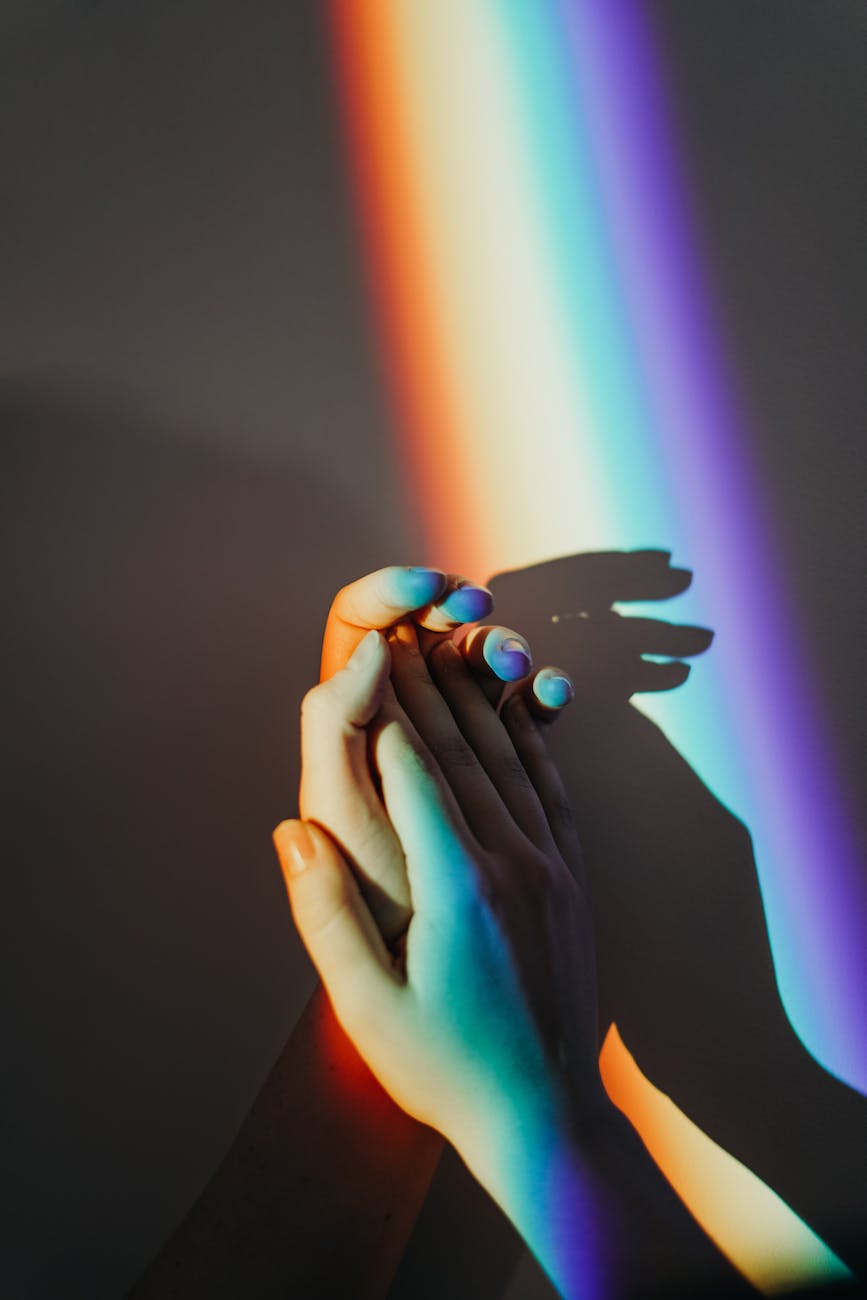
(671, 446)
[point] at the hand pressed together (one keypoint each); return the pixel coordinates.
(435, 879)
(490, 1004)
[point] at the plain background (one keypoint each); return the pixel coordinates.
(195, 455)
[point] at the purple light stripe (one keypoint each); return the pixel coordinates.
(807, 855)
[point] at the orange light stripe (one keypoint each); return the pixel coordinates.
(753, 1227)
(430, 436)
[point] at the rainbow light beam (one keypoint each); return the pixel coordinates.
(560, 385)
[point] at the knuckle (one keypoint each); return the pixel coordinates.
(325, 707)
(452, 751)
(514, 770)
(315, 701)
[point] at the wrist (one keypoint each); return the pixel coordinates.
(544, 1161)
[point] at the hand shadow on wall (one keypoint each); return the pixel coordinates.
(685, 967)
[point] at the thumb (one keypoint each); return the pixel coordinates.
(335, 925)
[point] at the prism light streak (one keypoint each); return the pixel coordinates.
(769, 760)
(752, 1226)
(465, 290)
(528, 304)
(560, 386)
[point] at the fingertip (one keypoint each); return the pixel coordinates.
(416, 586)
(405, 636)
(552, 689)
(295, 845)
(507, 655)
(367, 652)
(467, 603)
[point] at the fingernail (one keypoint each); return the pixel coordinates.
(510, 658)
(553, 688)
(295, 847)
(468, 603)
(420, 585)
(364, 652)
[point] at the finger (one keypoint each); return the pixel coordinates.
(547, 693)
(653, 636)
(528, 741)
(377, 600)
(437, 844)
(497, 655)
(337, 789)
(483, 730)
(424, 705)
(462, 602)
(335, 925)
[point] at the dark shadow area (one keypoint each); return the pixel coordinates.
(163, 604)
(464, 1247)
(685, 966)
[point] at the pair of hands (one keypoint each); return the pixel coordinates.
(433, 877)
(436, 881)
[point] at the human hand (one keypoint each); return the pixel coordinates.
(483, 1024)
(437, 604)
(490, 1011)
(684, 963)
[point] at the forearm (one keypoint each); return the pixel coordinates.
(320, 1190)
(596, 1212)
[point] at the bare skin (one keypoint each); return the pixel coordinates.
(483, 1025)
(267, 1221)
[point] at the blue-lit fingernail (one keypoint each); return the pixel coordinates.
(467, 604)
(509, 658)
(552, 687)
(418, 586)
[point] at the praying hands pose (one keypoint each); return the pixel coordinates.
(321, 1188)
(435, 879)
(478, 1018)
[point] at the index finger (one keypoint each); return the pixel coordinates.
(377, 600)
